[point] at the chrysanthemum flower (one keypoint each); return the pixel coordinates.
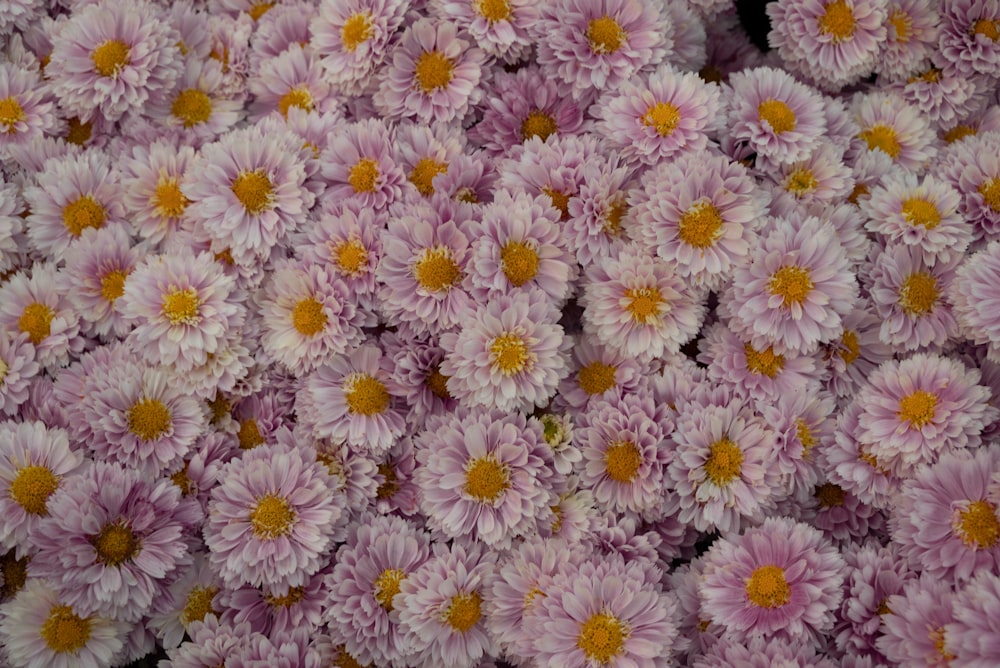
(348, 243)
(198, 110)
(849, 463)
(969, 33)
(984, 120)
(353, 37)
(777, 117)
(760, 652)
(782, 579)
(499, 27)
(599, 373)
(182, 305)
(440, 607)
(944, 97)
(381, 552)
(584, 620)
(434, 74)
(211, 642)
(34, 305)
(891, 127)
(17, 369)
(112, 539)
(292, 79)
(425, 151)
(915, 631)
(277, 614)
(801, 420)
(26, 109)
(819, 179)
(598, 219)
(397, 493)
(914, 410)
(359, 164)
(555, 166)
(974, 298)
(247, 191)
(113, 57)
(598, 44)
(39, 628)
(270, 518)
(665, 114)
(151, 184)
(193, 597)
(416, 362)
(972, 636)
(509, 353)
(485, 476)
(857, 352)
(973, 168)
(911, 37)
(279, 30)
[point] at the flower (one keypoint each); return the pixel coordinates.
(17, 369)
(972, 634)
(944, 97)
(761, 652)
(599, 373)
(912, 28)
(857, 353)
(424, 152)
(890, 126)
(781, 580)
(555, 166)
(198, 109)
(211, 641)
(194, 597)
(820, 179)
(968, 35)
(802, 420)
(35, 306)
(270, 519)
(485, 476)
(347, 242)
(916, 631)
(509, 353)
(972, 168)
(598, 218)
(275, 614)
(416, 362)
(26, 109)
(973, 301)
(849, 463)
(499, 27)
(151, 183)
(359, 164)
(291, 79)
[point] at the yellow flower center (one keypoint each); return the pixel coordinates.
(663, 116)
(559, 199)
(613, 220)
(433, 71)
(198, 605)
(958, 133)
(351, 257)
(829, 495)
(486, 479)
(801, 181)
(987, 28)
(644, 304)
(83, 213)
(493, 10)
(258, 9)
(932, 75)
(390, 486)
(436, 271)
(700, 225)
(308, 317)
(297, 97)
(149, 419)
(519, 262)
(806, 437)
(850, 347)
(253, 190)
(978, 526)
(882, 137)
(990, 190)
(345, 660)
(622, 460)
(356, 31)
(11, 112)
(918, 294)
(596, 377)
(464, 611)
(192, 106)
(902, 24)
(538, 124)
(423, 175)
(78, 132)
(113, 285)
(937, 636)
(778, 115)
(437, 383)
(602, 638)
(724, 463)
(36, 321)
(110, 57)
(387, 586)
(792, 284)
(918, 211)
(859, 190)
(15, 574)
(763, 362)
(115, 544)
(65, 632)
(365, 395)
(767, 587)
(294, 595)
(249, 436)
(605, 35)
(219, 407)
(32, 487)
(883, 608)
(182, 481)
(917, 408)
(837, 21)
(168, 199)
(3, 370)
(510, 354)
(271, 517)
(181, 306)
(364, 175)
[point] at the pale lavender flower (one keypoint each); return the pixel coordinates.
(292, 79)
(499, 27)
(972, 635)
(26, 107)
(17, 369)
(151, 183)
(198, 110)
(974, 298)
(598, 373)
(359, 164)
(916, 631)
(34, 305)
(968, 39)
(598, 219)
(892, 127)
(912, 28)
(973, 168)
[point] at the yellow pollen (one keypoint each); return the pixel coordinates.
(258, 10)
(15, 574)
(219, 407)
(510, 354)
(622, 460)
(519, 262)
(883, 138)
(387, 489)
(850, 348)
(703, 625)
(918, 294)
(364, 176)
(294, 595)
(433, 71)
(829, 495)
(559, 200)
(937, 636)
(486, 479)
(423, 175)
(662, 116)
(437, 383)
(3, 370)
(10, 113)
(902, 24)
(351, 257)
(872, 461)
(182, 481)
(724, 463)
(308, 317)
(198, 605)
(530, 597)
(778, 115)
(990, 190)
(168, 200)
(222, 57)
(978, 526)
(296, 97)
(464, 611)
(883, 608)
(932, 75)
(792, 284)
(181, 306)
(113, 285)
(767, 587)
(65, 632)
(115, 544)
(644, 304)
(249, 435)
(958, 133)
(345, 660)
(365, 395)
(605, 35)
(859, 190)
(83, 213)
(538, 124)
(602, 638)
(763, 362)
(110, 57)
(493, 10)
(192, 107)
(387, 586)
(837, 21)
(225, 257)
(801, 181)
(356, 31)
(436, 271)
(467, 195)
(806, 437)
(32, 487)
(987, 28)
(557, 522)
(78, 132)
(919, 211)
(149, 419)
(596, 377)
(254, 191)
(36, 321)
(613, 220)
(700, 225)
(271, 517)
(917, 408)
